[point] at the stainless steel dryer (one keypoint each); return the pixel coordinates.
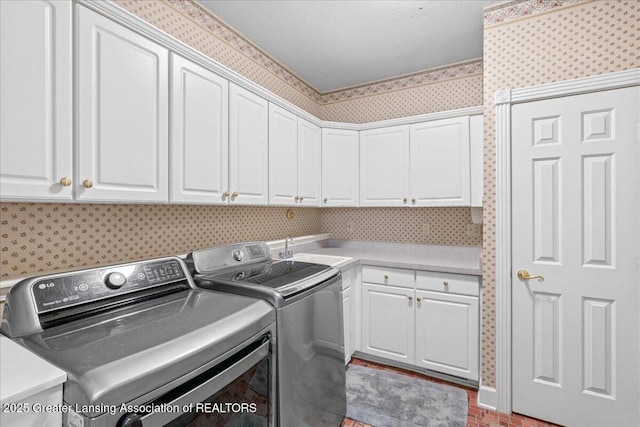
(310, 336)
(142, 346)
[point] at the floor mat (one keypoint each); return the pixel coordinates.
(387, 399)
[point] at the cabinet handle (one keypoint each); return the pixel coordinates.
(65, 182)
(234, 195)
(87, 183)
(404, 200)
(413, 201)
(410, 298)
(386, 277)
(225, 195)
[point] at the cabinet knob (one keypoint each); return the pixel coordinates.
(413, 200)
(297, 198)
(87, 183)
(418, 299)
(301, 198)
(234, 195)
(386, 277)
(225, 195)
(410, 298)
(404, 200)
(65, 182)
(325, 200)
(446, 283)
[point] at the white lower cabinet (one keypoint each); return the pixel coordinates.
(433, 324)
(350, 290)
(387, 322)
(447, 333)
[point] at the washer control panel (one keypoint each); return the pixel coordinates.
(52, 293)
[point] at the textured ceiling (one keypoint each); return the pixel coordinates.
(337, 44)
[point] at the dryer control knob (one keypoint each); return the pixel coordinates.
(238, 255)
(130, 420)
(115, 280)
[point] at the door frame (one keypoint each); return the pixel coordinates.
(500, 398)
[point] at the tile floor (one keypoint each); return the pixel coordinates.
(477, 417)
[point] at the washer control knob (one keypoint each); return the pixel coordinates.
(115, 280)
(237, 255)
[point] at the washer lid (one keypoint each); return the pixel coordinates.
(118, 356)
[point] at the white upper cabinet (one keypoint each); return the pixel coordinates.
(122, 113)
(199, 134)
(248, 147)
(35, 100)
(440, 163)
(476, 143)
(309, 156)
(340, 167)
(283, 156)
(384, 166)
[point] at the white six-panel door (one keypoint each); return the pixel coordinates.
(199, 134)
(384, 166)
(576, 223)
(122, 113)
(35, 95)
(248, 147)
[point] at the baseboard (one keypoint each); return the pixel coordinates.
(487, 397)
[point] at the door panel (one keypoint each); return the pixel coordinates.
(575, 222)
(380, 336)
(122, 113)
(200, 134)
(248, 147)
(283, 156)
(340, 167)
(309, 156)
(35, 103)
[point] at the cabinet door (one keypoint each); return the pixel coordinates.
(248, 147)
(447, 333)
(476, 142)
(309, 152)
(200, 134)
(35, 100)
(440, 163)
(122, 113)
(384, 166)
(387, 322)
(283, 156)
(340, 168)
(347, 312)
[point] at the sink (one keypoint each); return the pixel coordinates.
(332, 260)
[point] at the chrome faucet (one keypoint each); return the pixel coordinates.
(287, 252)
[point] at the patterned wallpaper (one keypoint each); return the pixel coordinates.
(427, 226)
(38, 237)
(552, 41)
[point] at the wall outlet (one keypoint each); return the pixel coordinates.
(425, 229)
(474, 230)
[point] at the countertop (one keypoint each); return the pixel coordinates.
(447, 259)
(23, 373)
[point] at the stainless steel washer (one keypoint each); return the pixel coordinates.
(310, 337)
(142, 346)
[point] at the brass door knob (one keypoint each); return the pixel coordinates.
(87, 183)
(524, 275)
(225, 195)
(65, 182)
(234, 195)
